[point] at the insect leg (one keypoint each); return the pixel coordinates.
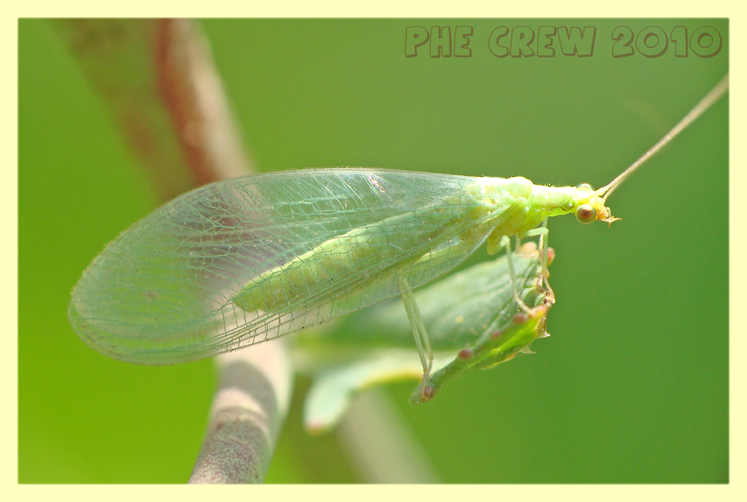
(544, 234)
(505, 243)
(422, 341)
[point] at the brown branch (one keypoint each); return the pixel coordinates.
(157, 79)
(247, 413)
(194, 98)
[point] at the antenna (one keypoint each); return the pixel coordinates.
(696, 112)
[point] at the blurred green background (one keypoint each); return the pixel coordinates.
(632, 387)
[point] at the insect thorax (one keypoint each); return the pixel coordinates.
(525, 205)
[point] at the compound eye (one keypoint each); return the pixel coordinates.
(585, 213)
(584, 185)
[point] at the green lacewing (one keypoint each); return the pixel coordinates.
(246, 260)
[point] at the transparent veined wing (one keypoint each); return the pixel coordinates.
(164, 291)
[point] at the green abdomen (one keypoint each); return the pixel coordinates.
(310, 271)
(354, 260)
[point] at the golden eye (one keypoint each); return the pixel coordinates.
(585, 213)
(584, 185)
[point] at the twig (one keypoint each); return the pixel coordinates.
(174, 114)
(246, 416)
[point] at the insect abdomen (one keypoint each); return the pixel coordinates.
(329, 264)
(278, 286)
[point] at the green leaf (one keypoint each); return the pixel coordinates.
(472, 320)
